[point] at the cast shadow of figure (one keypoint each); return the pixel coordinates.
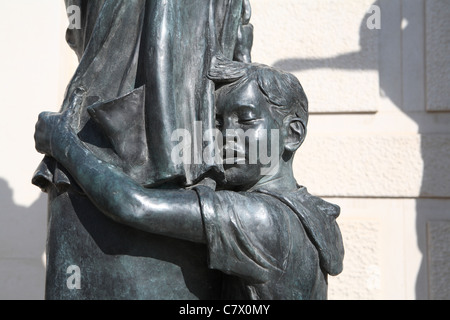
(22, 243)
(390, 75)
(357, 60)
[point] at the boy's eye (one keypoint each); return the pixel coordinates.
(247, 118)
(247, 121)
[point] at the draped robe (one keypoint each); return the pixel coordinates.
(143, 67)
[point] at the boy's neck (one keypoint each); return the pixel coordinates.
(281, 182)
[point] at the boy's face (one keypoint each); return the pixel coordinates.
(245, 109)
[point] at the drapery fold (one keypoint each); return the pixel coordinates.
(164, 47)
(143, 66)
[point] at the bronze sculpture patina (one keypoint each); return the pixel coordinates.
(141, 225)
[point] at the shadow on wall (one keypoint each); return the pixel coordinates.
(348, 61)
(22, 244)
(391, 75)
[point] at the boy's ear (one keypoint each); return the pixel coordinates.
(295, 135)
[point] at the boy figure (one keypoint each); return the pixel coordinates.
(270, 237)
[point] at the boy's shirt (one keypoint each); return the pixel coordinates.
(271, 246)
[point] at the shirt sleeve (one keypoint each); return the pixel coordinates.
(244, 237)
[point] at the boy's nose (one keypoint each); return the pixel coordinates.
(229, 130)
(231, 123)
(227, 136)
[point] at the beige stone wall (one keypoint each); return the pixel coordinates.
(32, 79)
(378, 143)
(379, 136)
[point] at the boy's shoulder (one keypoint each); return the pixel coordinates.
(261, 208)
(319, 219)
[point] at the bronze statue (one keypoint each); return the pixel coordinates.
(143, 226)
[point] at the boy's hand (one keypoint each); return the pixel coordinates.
(54, 130)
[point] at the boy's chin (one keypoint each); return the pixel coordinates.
(241, 175)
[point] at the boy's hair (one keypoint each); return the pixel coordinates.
(282, 90)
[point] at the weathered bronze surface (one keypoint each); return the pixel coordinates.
(139, 224)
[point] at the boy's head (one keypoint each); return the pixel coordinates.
(282, 90)
(269, 106)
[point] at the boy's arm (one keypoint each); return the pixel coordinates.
(173, 213)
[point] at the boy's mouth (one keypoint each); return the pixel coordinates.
(232, 156)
